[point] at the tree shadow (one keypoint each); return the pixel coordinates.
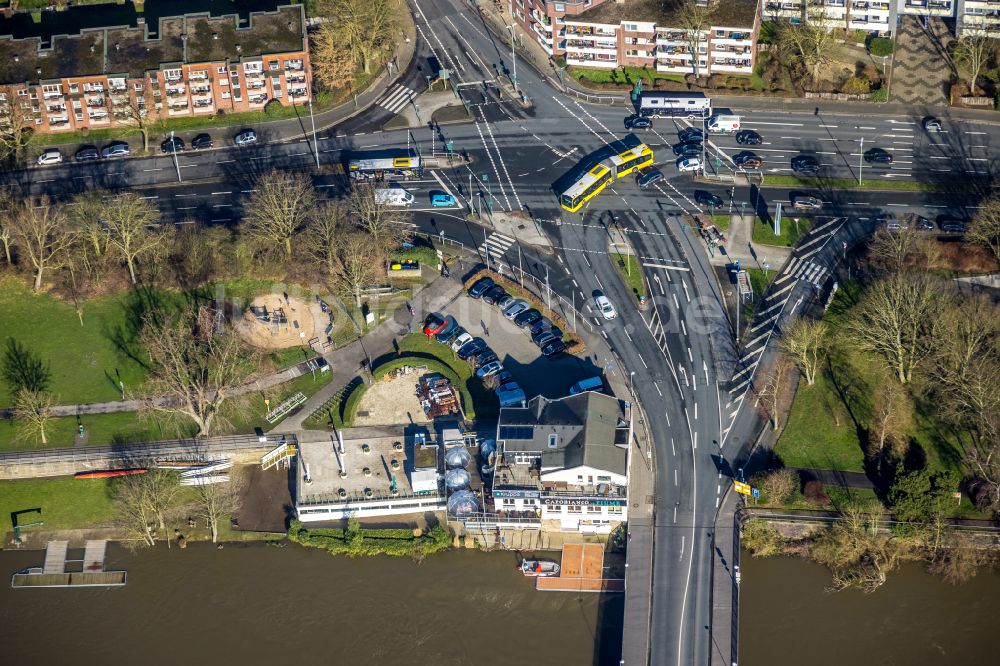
(23, 369)
(141, 304)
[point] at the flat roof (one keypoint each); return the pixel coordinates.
(724, 13)
(324, 468)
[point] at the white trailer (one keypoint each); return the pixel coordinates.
(394, 195)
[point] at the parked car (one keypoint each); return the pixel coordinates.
(887, 220)
(202, 142)
(878, 156)
(688, 149)
(86, 154)
(442, 200)
(922, 223)
(527, 318)
(806, 202)
(495, 293)
(481, 286)
(469, 348)
(50, 156)
(502, 378)
(542, 323)
(553, 348)
(708, 199)
(687, 164)
(605, 307)
(805, 164)
(932, 124)
(749, 138)
(504, 302)
(451, 328)
(748, 160)
(691, 134)
(484, 357)
(435, 323)
(546, 336)
(245, 138)
(951, 224)
(460, 340)
(116, 149)
(174, 144)
(490, 368)
(648, 176)
(638, 122)
(516, 308)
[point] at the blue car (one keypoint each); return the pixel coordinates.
(442, 200)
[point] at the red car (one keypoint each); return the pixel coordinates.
(434, 323)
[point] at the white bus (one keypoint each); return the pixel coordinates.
(675, 104)
(380, 166)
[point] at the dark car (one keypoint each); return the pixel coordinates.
(86, 154)
(483, 357)
(469, 348)
(708, 199)
(688, 149)
(174, 144)
(690, 134)
(922, 223)
(748, 160)
(494, 294)
(648, 176)
(638, 122)
(527, 318)
(502, 378)
(542, 323)
(481, 286)
(202, 142)
(951, 224)
(446, 333)
(546, 336)
(749, 138)
(805, 164)
(878, 156)
(553, 348)
(435, 323)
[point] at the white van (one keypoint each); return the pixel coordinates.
(723, 123)
(394, 195)
(588, 384)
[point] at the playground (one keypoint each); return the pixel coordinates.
(279, 321)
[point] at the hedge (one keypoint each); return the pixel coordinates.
(355, 540)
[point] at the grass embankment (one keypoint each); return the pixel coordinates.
(630, 269)
(622, 75)
(356, 540)
(887, 184)
(722, 221)
(791, 231)
(759, 280)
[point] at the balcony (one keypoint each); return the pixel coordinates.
(544, 34)
(296, 78)
(197, 76)
(586, 31)
(99, 119)
(53, 95)
(294, 65)
(744, 66)
(173, 91)
(591, 47)
(297, 92)
(55, 108)
(582, 60)
(545, 44)
(58, 120)
(255, 85)
(676, 66)
(257, 99)
(201, 90)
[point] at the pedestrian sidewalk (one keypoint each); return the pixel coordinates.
(739, 245)
(345, 363)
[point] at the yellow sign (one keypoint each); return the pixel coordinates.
(741, 487)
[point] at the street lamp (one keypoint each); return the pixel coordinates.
(513, 57)
(630, 376)
(861, 156)
(173, 151)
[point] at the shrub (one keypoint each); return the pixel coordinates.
(880, 46)
(881, 95)
(273, 109)
(856, 86)
(760, 539)
(779, 485)
(815, 493)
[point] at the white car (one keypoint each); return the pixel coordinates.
(689, 164)
(490, 368)
(516, 308)
(245, 138)
(460, 341)
(604, 305)
(50, 156)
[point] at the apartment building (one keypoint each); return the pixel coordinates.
(979, 17)
(188, 65)
(881, 16)
(608, 34)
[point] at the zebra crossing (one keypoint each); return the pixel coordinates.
(495, 245)
(809, 271)
(397, 97)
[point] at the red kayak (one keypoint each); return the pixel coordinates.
(109, 473)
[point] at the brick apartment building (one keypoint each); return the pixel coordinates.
(643, 33)
(881, 15)
(187, 65)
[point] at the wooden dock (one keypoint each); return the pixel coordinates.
(53, 572)
(582, 570)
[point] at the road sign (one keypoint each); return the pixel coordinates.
(755, 492)
(740, 487)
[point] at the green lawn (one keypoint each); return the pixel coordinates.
(100, 429)
(791, 231)
(890, 184)
(759, 280)
(65, 502)
(722, 221)
(630, 270)
(624, 75)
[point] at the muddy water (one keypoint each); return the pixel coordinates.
(786, 618)
(264, 605)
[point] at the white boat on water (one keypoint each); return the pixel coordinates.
(539, 568)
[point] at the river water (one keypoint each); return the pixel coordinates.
(787, 619)
(257, 604)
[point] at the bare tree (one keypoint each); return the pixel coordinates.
(891, 418)
(219, 501)
(135, 515)
(130, 220)
(802, 343)
(772, 385)
(196, 366)
(281, 205)
(808, 42)
(43, 237)
(895, 250)
(368, 27)
(896, 319)
(383, 222)
(695, 19)
(160, 489)
(16, 128)
(333, 64)
(985, 227)
(358, 263)
(322, 237)
(857, 552)
(135, 108)
(32, 411)
(8, 201)
(973, 51)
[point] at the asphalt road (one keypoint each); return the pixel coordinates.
(683, 363)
